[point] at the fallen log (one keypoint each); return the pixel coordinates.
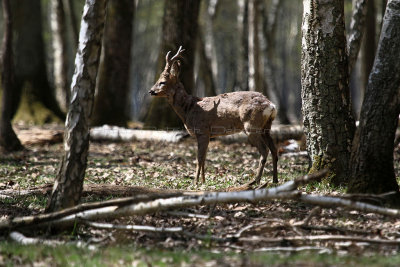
(89, 189)
(113, 133)
(120, 208)
(119, 134)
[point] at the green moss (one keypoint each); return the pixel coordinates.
(33, 112)
(321, 162)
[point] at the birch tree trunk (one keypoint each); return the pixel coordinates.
(243, 60)
(372, 153)
(60, 53)
(328, 122)
(255, 73)
(69, 181)
(112, 99)
(8, 139)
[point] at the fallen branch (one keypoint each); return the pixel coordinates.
(23, 240)
(293, 249)
(19, 222)
(144, 228)
(320, 238)
(282, 249)
(187, 214)
(313, 212)
(153, 204)
(177, 202)
(91, 189)
(325, 201)
(327, 228)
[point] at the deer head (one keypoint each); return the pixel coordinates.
(165, 86)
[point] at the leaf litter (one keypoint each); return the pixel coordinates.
(237, 227)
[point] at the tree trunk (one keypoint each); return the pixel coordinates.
(69, 181)
(205, 69)
(60, 53)
(243, 60)
(328, 122)
(179, 28)
(255, 73)
(30, 65)
(209, 40)
(368, 46)
(69, 8)
(356, 31)
(372, 152)
(112, 99)
(269, 22)
(8, 139)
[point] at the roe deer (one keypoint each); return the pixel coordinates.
(219, 115)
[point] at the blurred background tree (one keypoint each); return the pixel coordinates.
(216, 57)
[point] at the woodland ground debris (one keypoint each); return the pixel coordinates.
(277, 225)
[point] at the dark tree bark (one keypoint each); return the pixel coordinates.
(327, 117)
(205, 70)
(60, 53)
(112, 99)
(179, 28)
(8, 139)
(30, 65)
(69, 181)
(372, 153)
(368, 46)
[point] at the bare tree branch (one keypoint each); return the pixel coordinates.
(23, 240)
(133, 227)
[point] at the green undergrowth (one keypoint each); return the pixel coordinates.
(12, 254)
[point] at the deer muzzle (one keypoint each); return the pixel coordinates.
(152, 92)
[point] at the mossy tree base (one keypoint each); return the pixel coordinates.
(31, 110)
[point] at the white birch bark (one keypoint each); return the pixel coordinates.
(255, 76)
(69, 182)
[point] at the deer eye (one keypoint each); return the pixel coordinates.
(162, 83)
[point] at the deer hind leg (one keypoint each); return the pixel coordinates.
(256, 140)
(270, 143)
(202, 144)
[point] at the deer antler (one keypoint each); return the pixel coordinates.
(169, 61)
(178, 54)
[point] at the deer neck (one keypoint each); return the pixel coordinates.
(181, 101)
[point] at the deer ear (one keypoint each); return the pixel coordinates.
(176, 68)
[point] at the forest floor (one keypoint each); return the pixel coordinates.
(270, 231)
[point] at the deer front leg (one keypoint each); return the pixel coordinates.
(202, 144)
